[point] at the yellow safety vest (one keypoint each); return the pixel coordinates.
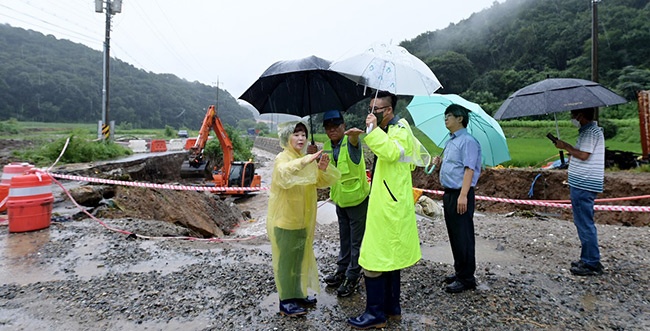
(353, 187)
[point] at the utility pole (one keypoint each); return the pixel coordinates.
(594, 45)
(112, 7)
(217, 84)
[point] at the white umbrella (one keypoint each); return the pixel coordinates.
(389, 68)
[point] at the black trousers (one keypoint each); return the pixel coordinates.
(352, 225)
(460, 229)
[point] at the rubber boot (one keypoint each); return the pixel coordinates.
(374, 316)
(291, 308)
(393, 309)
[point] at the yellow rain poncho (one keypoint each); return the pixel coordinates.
(391, 240)
(291, 216)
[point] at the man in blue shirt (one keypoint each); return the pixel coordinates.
(461, 167)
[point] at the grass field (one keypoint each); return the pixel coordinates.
(527, 140)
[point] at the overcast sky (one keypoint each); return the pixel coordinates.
(235, 41)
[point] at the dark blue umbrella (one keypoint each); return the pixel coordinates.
(302, 87)
(554, 95)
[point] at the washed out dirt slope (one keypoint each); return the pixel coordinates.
(551, 185)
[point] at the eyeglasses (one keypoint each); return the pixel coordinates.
(375, 109)
(449, 116)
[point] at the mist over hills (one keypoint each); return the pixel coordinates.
(485, 58)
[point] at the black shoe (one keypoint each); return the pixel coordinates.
(348, 287)
(575, 264)
(291, 308)
(450, 279)
(309, 301)
(583, 269)
(457, 287)
(335, 279)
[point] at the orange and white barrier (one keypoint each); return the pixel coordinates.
(8, 172)
(30, 202)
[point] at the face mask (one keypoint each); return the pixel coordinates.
(380, 117)
(575, 123)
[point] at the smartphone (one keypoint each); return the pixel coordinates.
(551, 137)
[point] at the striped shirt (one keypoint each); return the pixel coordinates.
(589, 174)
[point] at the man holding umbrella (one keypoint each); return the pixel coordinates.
(391, 241)
(586, 177)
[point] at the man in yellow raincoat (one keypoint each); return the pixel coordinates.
(391, 240)
(291, 217)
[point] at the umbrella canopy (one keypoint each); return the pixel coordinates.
(554, 95)
(302, 87)
(389, 68)
(428, 114)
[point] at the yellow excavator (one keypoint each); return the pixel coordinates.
(233, 173)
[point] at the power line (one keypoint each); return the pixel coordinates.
(48, 25)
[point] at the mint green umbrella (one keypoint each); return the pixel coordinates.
(428, 114)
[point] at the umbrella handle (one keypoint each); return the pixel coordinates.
(369, 128)
(429, 168)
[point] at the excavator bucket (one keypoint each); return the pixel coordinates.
(188, 171)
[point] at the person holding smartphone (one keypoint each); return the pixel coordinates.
(586, 178)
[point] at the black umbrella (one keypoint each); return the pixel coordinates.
(554, 95)
(302, 87)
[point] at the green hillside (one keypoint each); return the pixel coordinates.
(49, 80)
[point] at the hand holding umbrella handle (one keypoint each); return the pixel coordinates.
(435, 161)
(370, 122)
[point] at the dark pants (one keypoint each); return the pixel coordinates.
(461, 235)
(291, 252)
(352, 225)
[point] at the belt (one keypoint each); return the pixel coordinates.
(455, 190)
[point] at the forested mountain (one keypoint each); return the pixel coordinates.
(485, 58)
(499, 50)
(50, 80)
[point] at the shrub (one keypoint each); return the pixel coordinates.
(10, 126)
(79, 149)
(610, 129)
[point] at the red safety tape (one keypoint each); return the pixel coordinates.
(139, 235)
(553, 204)
(158, 186)
(545, 203)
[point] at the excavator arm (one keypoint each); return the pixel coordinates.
(240, 173)
(196, 159)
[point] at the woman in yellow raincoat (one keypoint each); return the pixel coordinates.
(291, 217)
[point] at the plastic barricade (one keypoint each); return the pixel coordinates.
(8, 172)
(138, 145)
(30, 202)
(189, 143)
(175, 145)
(158, 145)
